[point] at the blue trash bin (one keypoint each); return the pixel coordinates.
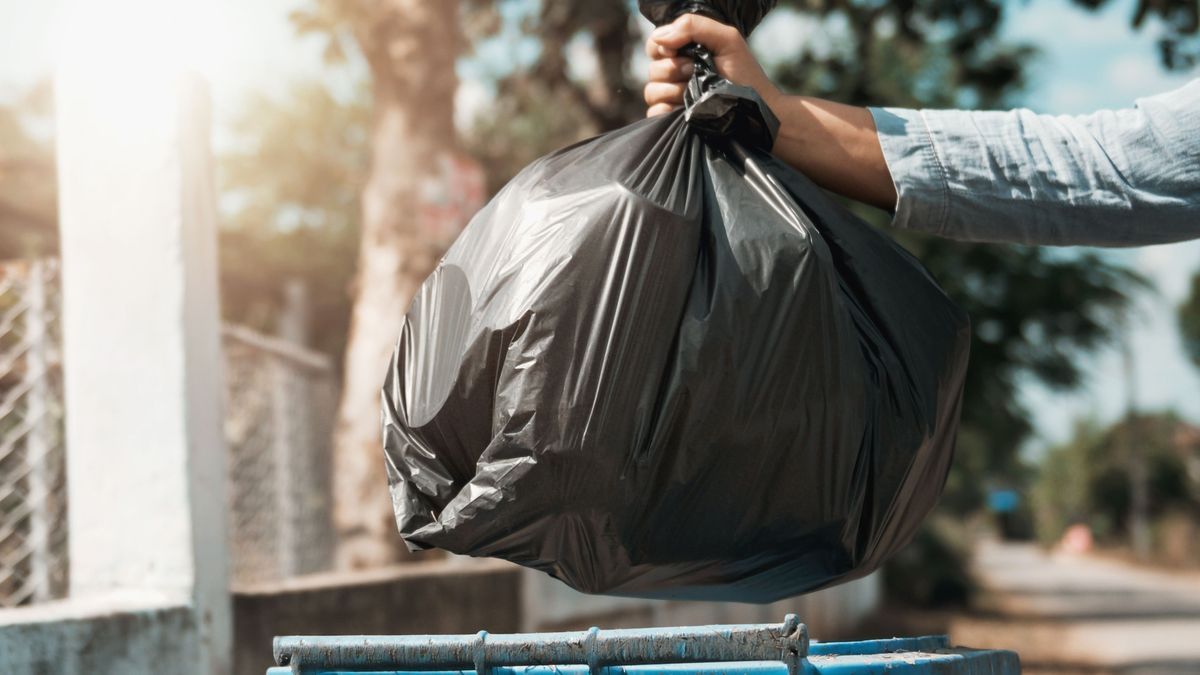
(747, 649)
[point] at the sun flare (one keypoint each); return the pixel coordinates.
(124, 41)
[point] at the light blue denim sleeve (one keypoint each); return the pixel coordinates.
(1112, 178)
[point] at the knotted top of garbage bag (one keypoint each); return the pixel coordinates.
(741, 14)
(717, 108)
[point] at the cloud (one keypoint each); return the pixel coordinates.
(1070, 98)
(1089, 60)
(1135, 75)
(1060, 22)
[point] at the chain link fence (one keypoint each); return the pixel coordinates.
(279, 411)
(33, 500)
(278, 423)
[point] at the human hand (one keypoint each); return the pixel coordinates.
(669, 72)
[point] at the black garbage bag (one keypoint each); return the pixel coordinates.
(662, 363)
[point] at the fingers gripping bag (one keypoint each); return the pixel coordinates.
(662, 363)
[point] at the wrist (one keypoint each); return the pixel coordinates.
(836, 145)
(794, 119)
(775, 99)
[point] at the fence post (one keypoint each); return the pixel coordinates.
(289, 413)
(39, 441)
(284, 409)
(293, 320)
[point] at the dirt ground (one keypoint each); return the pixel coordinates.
(1072, 614)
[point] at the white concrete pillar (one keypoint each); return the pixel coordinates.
(142, 362)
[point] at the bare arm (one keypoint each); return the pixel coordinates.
(833, 144)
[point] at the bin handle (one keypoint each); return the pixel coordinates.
(786, 642)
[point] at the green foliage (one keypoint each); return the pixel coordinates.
(1060, 493)
(1178, 43)
(1189, 321)
(1034, 315)
(528, 120)
(542, 107)
(1086, 480)
(933, 570)
(907, 54)
(962, 36)
(291, 191)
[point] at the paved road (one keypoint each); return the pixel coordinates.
(1079, 614)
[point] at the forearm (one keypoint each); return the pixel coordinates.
(836, 146)
(1114, 178)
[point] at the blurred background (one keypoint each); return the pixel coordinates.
(353, 139)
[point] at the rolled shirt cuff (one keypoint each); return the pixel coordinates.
(922, 189)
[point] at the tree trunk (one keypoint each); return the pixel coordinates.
(411, 211)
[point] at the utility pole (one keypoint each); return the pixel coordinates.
(1139, 525)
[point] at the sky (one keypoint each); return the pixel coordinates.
(1092, 61)
(1087, 61)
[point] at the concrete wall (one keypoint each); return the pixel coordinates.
(103, 635)
(433, 597)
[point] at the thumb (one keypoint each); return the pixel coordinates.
(712, 34)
